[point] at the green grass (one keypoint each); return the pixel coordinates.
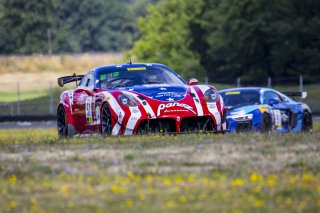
(11, 96)
(31, 102)
(185, 173)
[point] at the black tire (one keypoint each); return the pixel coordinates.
(208, 126)
(62, 125)
(306, 122)
(266, 123)
(106, 120)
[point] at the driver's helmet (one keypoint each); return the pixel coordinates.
(151, 77)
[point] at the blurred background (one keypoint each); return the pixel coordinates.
(226, 43)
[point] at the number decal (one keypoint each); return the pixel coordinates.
(277, 118)
(98, 115)
(89, 109)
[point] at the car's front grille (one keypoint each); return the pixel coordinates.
(163, 125)
(197, 124)
(244, 126)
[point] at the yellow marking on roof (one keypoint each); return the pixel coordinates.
(136, 68)
(233, 93)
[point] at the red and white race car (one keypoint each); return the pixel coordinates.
(137, 99)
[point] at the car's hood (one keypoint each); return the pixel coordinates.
(161, 92)
(241, 109)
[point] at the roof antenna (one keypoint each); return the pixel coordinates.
(130, 62)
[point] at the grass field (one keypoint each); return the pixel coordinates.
(185, 173)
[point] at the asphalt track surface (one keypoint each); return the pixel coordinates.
(29, 125)
(53, 124)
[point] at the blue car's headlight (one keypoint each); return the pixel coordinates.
(241, 117)
(211, 95)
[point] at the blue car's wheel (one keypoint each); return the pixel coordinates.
(266, 123)
(306, 122)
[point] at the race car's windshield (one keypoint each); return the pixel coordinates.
(240, 98)
(137, 76)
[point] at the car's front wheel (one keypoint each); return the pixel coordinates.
(306, 122)
(106, 120)
(266, 123)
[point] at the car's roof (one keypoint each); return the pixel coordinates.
(124, 67)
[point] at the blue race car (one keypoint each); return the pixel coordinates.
(265, 110)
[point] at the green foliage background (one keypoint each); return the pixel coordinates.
(75, 26)
(221, 39)
(253, 39)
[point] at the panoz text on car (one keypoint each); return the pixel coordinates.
(136, 99)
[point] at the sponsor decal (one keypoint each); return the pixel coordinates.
(162, 107)
(103, 77)
(212, 105)
(89, 109)
(70, 96)
(277, 118)
(135, 110)
(169, 94)
(114, 75)
(98, 115)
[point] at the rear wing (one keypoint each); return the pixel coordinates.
(68, 79)
(296, 94)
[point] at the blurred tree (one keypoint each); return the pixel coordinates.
(89, 25)
(256, 38)
(166, 36)
(24, 26)
(75, 26)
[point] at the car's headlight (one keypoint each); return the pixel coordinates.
(243, 117)
(211, 95)
(127, 100)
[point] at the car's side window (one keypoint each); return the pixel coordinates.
(87, 81)
(90, 82)
(270, 95)
(84, 81)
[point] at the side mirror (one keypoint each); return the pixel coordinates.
(193, 81)
(273, 101)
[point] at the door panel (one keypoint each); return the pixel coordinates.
(79, 110)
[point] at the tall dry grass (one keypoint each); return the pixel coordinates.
(57, 63)
(34, 72)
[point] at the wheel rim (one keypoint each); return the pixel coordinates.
(106, 121)
(61, 122)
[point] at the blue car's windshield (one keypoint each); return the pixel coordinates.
(136, 76)
(240, 98)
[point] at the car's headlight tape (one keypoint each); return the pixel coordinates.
(211, 95)
(127, 100)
